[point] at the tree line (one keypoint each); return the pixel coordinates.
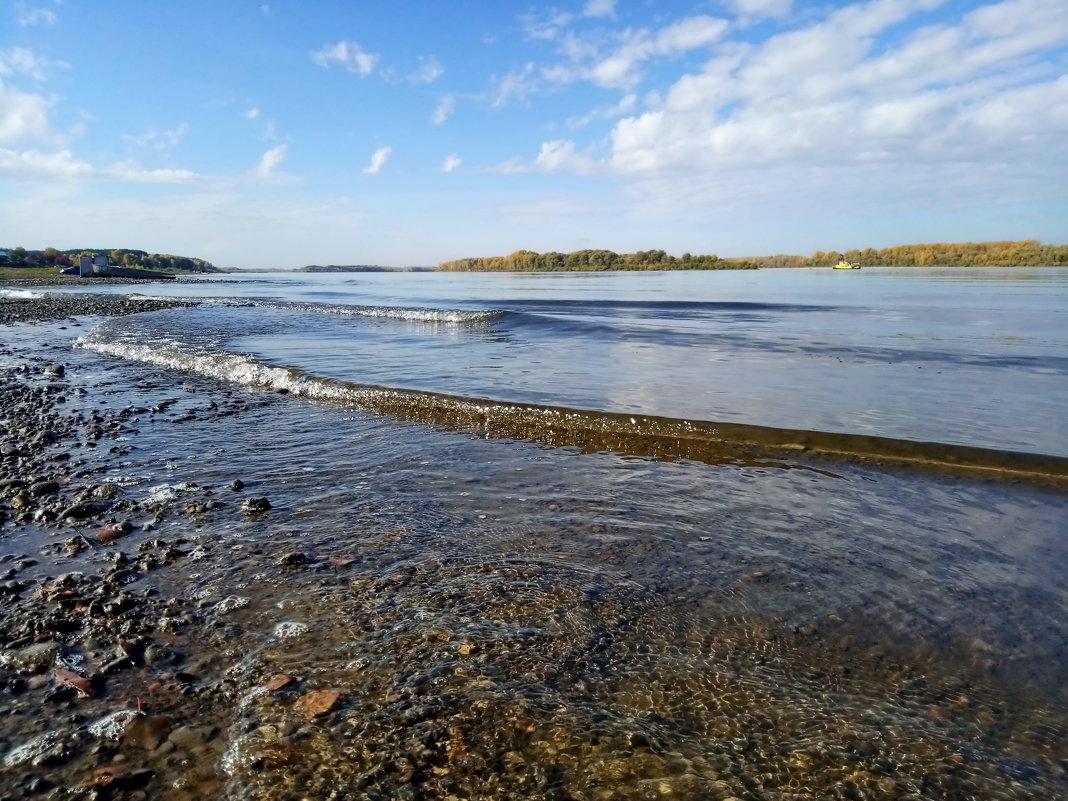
(530, 261)
(122, 257)
(1028, 252)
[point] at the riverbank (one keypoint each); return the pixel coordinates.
(104, 684)
(417, 613)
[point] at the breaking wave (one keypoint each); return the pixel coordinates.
(592, 430)
(413, 314)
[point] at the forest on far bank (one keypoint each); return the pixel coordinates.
(121, 257)
(528, 260)
(1028, 252)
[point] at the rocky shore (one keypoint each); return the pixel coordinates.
(57, 306)
(101, 688)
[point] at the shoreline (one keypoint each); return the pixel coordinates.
(59, 306)
(80, 633)
(125, 677)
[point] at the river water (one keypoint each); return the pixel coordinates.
(512, 606)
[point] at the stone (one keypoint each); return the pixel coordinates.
(316, 702)
(68, 678)
(86, 509)
(255, 505)
(32, 659)
(159, 655)
(277, 682)
(44, 488)
(146, 731)
(293, 559)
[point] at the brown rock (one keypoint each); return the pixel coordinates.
(279, 755)
(69, 678)
(317, 702)
(109, 534)
(113, 777)
(278, 681)
(146, 731)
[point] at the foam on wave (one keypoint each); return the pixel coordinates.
(591, 430)
(406, 313)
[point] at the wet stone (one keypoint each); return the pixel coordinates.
(294, 559)
(32, 659)
(146, 731)
(159, 655)
(86, 509)
(43, 488)
(255, 505)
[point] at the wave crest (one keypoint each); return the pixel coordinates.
(591, 430)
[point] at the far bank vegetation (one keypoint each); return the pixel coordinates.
(529, 261)
(1029, 252)
(121, 257)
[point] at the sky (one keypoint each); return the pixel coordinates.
(283, 133)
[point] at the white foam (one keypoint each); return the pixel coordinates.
(230, 603)
(36, 747)
(111, 726)
(403, 313)
(290, 629)
(19, 293)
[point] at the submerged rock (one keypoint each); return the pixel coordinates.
(294, 559)
(255, 506)
(31, 659)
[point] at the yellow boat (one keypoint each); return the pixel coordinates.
(845, 265)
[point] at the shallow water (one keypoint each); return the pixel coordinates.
(975, 357)
(507, 619)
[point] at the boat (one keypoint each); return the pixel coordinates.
(845, 265)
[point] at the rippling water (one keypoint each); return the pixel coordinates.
(974, 358)
(529, 612)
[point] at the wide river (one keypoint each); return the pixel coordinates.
(553, 593)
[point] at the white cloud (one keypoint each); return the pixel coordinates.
(131, 171)
(348, 55)
(517, 85)
(548, 26)
(253, 113)
(270, 160)
(430, 70)
(33, 165)
(761, 8)
(443, 110)
(28, 17)
(599, 8)
(829, 96)
(23, 115)
(560, 155)
(158, 140)
(618, 66)
(626, 105)
(620, 69)
(22, 61)
(452, 162)
(378, 160)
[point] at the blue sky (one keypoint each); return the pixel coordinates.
(278, 134)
